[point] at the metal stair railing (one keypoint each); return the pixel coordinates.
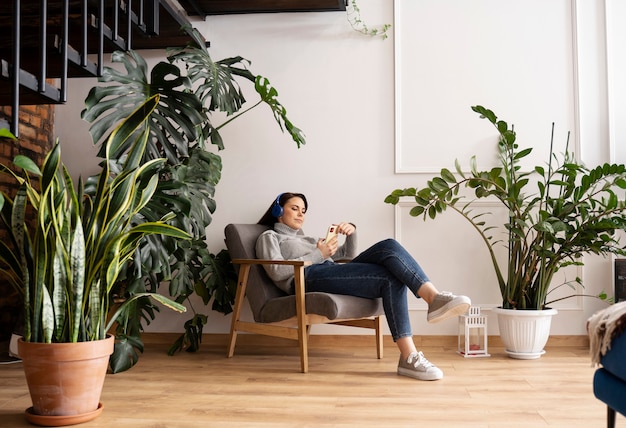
(117, 34)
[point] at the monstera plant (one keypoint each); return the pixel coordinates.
(192, 87)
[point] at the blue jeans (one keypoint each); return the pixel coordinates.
(384, 270)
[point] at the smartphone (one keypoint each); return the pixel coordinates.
(332, 231)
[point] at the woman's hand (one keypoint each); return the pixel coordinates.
(328, 249)
(346, 228)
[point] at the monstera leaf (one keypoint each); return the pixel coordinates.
(218, 88)
(173, 123)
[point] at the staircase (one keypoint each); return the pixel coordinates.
(43, 43)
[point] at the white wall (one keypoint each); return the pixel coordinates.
(339, 87)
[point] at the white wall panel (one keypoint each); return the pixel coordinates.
(514, 57)
(616, 59)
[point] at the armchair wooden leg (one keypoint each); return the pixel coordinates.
(610, 417)
(379, 337)
(304, 351)
(244, 270)
(301, 315)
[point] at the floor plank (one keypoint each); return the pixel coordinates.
(346, 387)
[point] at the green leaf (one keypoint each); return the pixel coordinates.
(485, 113)
(5, 133)
(438, 184)
(27, 164)
(77, 291)
(448, 176)
(392, 199)
(268, 95)
(457, 166)
(59, 296)
(473, 167)
(159, 228)
(116, 143)
(47, 316)
(523, 153)
(416, 211)
(502, 126)
(125, 353)
(169, 303)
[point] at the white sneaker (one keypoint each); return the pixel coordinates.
(418, 367)
(447, 305)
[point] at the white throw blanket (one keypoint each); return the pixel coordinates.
(602, 327)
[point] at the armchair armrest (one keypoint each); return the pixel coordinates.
(298, 270)
(294, 263)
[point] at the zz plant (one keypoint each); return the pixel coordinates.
(557, 213)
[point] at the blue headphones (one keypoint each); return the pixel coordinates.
(277, 210)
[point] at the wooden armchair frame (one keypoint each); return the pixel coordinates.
(298, 327)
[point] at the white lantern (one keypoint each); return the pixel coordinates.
(473, 334)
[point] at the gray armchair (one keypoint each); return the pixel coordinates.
(289, 315)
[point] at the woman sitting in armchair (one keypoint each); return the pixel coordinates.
(385, 270)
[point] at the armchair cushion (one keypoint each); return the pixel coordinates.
(331, 306)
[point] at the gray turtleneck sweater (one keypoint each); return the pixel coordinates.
(285, 243)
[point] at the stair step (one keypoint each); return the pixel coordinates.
(29, 89)
(76, 68)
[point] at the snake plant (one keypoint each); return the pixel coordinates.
(67, 246)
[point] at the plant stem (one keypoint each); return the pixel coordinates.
(217, 128)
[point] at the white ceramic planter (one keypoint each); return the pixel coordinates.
(524, 332)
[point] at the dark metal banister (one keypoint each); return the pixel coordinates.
(129, 25)
(15, 78)
(116, 18)
(101, 39)
(64, 59)
(84, 23)
(43, 42)
(152, 17)
(31, 85)
(140, 18)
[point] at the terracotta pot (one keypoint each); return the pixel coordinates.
(65, 379)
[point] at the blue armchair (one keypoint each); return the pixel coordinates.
(609, 381)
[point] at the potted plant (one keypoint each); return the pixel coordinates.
(183, 130)
(64, 261)
(556, 213)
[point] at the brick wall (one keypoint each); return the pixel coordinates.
(36, 138)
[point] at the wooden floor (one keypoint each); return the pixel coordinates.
(346, 387)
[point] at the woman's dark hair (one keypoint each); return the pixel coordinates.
(269, 219)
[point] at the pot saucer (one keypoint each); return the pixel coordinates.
(59, 421)
(525, 355)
